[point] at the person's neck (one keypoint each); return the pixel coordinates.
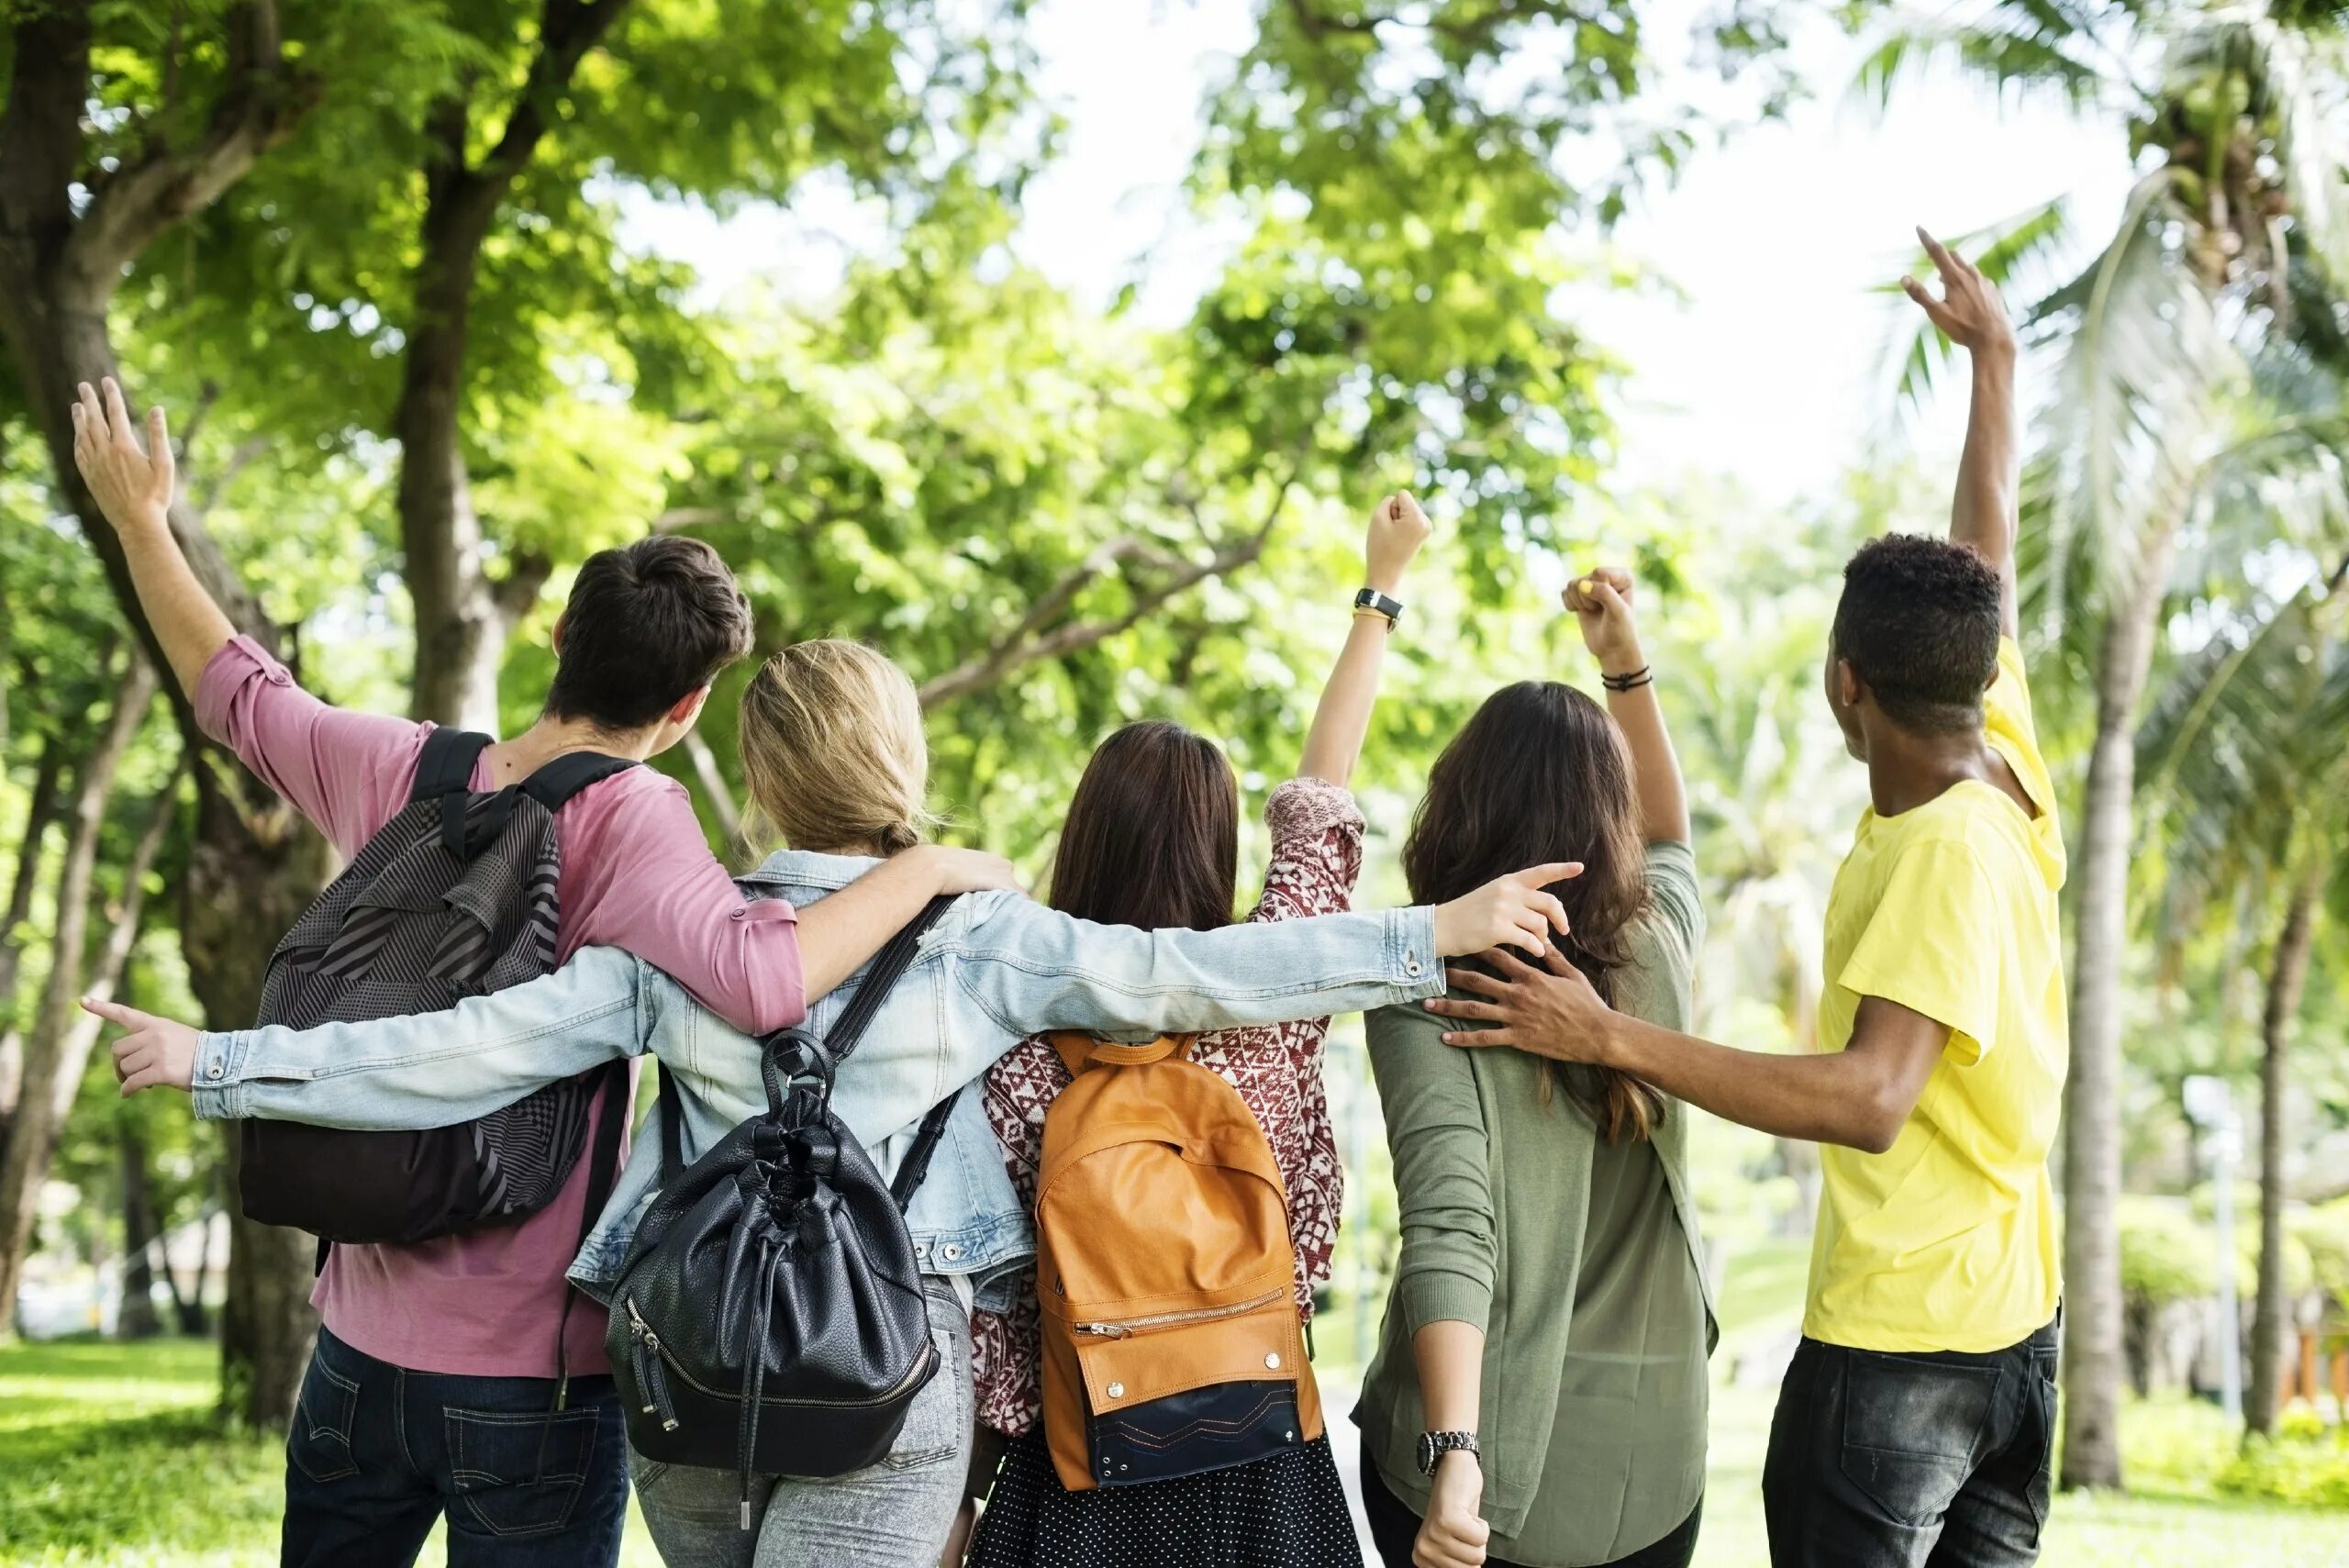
(553, 737)
(1907, 771)
(864, 847)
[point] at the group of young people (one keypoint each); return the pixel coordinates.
(1539, 1395)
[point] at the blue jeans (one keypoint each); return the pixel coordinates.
(1934, 1460)
(377, 1454)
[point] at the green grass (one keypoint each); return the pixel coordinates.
(109, 1455)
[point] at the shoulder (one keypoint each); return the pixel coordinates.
(1406, 1030)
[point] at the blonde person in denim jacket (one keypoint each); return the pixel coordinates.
(834, 755)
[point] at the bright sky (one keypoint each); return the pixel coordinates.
(1763, 362)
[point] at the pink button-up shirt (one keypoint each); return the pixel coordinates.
(637, 873)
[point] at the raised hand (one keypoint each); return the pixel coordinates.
(1601, 603)
(156, 1053)
(1515, 910)
(1398, 528)
(1969, 312)
(132, 485)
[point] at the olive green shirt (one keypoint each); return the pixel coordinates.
(1579, 1259)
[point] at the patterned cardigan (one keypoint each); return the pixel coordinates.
(1316, 859)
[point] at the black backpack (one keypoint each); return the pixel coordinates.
(455, 897)
(770, 1316)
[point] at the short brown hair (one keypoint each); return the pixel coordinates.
(1540, 775)
(647, 624)
(1152, 835)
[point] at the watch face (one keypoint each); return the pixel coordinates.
(1427, 1453)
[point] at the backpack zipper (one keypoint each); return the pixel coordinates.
(1125, 1327)
(647, 1370)
(658, 1385)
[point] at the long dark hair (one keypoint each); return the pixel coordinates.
(1540, 775)
(1153, 834)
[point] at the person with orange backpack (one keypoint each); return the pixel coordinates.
(1153, 1381)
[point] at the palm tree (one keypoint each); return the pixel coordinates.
(2250, 779)
(2228, 241)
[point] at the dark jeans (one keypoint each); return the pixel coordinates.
(377, 1454)
(1394, 1529)
(1883, 1461)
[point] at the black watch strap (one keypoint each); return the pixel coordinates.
(1433, 1446)
(1372, 599)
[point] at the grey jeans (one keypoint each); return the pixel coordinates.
(894, 1514)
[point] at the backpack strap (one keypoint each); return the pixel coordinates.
(673, 1126)
(603, 1157)
(444, 772)
(556, 782)
(890, 963)
(916, 1165)
(446, 764)
(1078, 1051)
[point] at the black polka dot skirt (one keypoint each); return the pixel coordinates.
(1289, 1512)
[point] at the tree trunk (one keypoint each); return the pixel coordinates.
(460, 636)
(2286, 981)
(136, 1320)
(64, 252)
(2094, 1357)
(243, 894)
(41, 812)
(461, 618)
(50, 1079)
(194, 1319)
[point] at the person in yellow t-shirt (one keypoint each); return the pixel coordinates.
(1915, 1423)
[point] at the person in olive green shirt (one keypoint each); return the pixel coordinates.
(1917, 1421)
(1539, 1395)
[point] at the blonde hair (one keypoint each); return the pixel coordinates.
(833, 750)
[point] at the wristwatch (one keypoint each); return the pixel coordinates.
(1435, 1445)
(1372, 599)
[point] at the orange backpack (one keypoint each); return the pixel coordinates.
(1163, 1265)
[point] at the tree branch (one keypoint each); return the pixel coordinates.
(714, 785)
(518, 592)
(258, 107)
(1027, 642)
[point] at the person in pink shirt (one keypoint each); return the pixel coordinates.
(449, 1349)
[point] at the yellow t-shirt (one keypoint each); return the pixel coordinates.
(1947, 1240)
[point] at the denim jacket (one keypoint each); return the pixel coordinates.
(994, 968)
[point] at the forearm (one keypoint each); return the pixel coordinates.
(188, 626)
(1333, 745)
(1655, 768)
(1450, 1360)
(431, 1069)
(1033, 968)
(839, 933)
(1984, 512)
(1833, 1097)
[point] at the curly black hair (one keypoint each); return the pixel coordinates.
(1918, 622)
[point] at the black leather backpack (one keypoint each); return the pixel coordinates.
(769, 1318)
(454, 897)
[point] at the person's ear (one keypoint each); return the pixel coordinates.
(686, 708)
(559, 616)
(1849, 687)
